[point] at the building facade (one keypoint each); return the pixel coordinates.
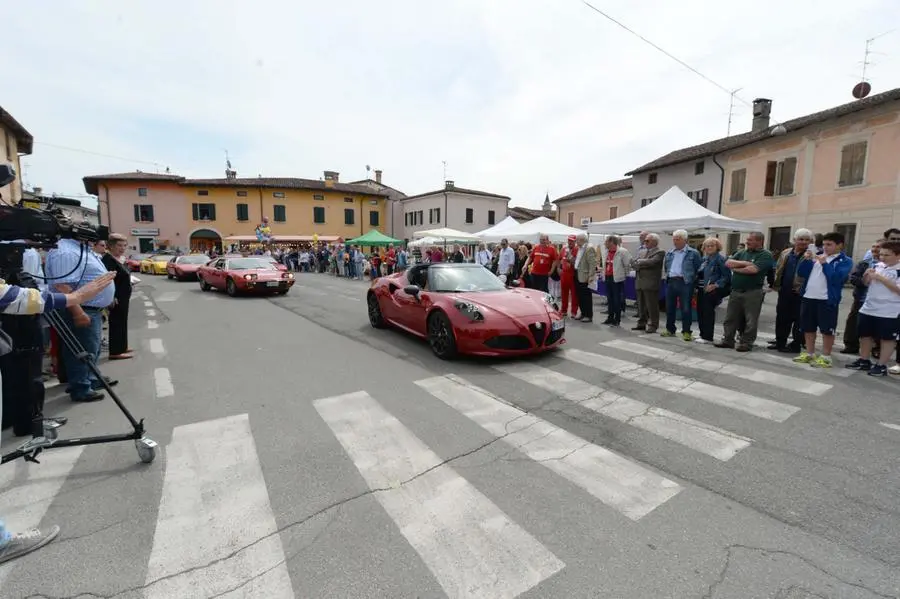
(467, 210)
(837, 170)
(392, 209)
(597, 203)
(15, 141)
(165, 210)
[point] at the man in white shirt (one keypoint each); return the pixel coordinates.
(878, 317)
(506, 262)
(483, 257)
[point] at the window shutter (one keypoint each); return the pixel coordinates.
(846, 174)
(137, 213)
(150, 214)
(196, 211)
(788, 173)
(771, 172)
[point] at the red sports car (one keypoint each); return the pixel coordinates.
(186, 267)
(244, 275)
(464, 309)
(133, 262)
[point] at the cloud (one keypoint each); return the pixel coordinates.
(518, 96)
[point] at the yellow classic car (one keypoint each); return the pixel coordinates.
(155, 264)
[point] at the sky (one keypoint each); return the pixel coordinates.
(518, 97)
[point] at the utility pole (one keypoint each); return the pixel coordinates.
(731, 110)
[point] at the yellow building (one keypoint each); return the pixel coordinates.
(168, 210)
(15, 140)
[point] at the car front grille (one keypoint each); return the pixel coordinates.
(539, 332)
(512, 342)
(554, 336)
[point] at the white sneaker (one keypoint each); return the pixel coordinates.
(26, 542)
(895, 369)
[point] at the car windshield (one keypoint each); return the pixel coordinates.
(138, 256)
(448, 279)
(250, 263)
(193, 260)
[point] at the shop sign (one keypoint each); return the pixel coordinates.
(145, 232)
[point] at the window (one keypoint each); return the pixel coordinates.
(277, 194)
(348, 200)
(491, 217)
(242, 194)
(279, 213)
(143, 213)
(319, 198)
(570, 219)
(738, 184)
(848, 230)
(319, 215)
(202, 192)
(470, 216)
(853, 164)
(646, 201)
(701, 196)
(373, 218)
(699, 167)
(434, 216)
(243, 212)
(780, 177)
(613, 212)
(204, 211)
(651, 178)
(349, 216)
(142, 192)
(420, 217)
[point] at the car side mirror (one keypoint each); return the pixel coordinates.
(412, 290)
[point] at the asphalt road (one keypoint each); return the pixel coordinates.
(305, 454)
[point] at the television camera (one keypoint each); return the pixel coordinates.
(22, 228)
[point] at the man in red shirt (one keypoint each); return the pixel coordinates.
(390, 259)
(567, 276)
(542, 260)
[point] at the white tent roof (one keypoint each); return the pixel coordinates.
(504, 225)
(447, 235)
(531, 230)
(671, 211)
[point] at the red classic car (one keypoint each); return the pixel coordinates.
(244, 275)
(183, 268)
(464, 309)
(133, 262)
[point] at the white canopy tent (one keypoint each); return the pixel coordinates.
(504, 225)
(446, 235)
(671, 211)
(531, 231)
(426, 241)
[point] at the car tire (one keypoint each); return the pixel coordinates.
(376, 318)
(204, 286)
(441, 337)
(231, 288)
(170, 276)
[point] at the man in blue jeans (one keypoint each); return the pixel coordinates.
(69, 267)
(680, 269)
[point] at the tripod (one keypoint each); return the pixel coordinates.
(146, 447)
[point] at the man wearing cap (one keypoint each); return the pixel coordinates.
(567, 277)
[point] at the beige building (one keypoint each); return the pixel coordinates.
(15, 141)
(597, 203)
(453, 207)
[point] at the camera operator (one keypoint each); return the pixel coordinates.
(69, 266)
(23, 301)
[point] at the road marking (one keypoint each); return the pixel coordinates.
(471, 547)
(156, 346)
(151, 312)
(352, 299)
(163, 380)
(659, 379)
(24, 506)
(152, 324)
(756, 375)
(148, 304)
(626, 486)
(705, 438)
(169, 296)
(215, 523)
(895, 427)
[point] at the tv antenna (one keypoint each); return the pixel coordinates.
(444, 162)
(731, 109)
(864, 87)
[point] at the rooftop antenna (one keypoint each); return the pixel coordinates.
(864, 87)
(731, 110)
(444, 162)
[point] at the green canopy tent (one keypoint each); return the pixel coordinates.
(374, 238)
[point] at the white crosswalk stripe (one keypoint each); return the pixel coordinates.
(169, 296)
(626, 486)
(439, 512)
(667, 381)
(701, 437)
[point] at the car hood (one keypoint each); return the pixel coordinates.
(517, 303)
(260, 273)
(188, 266)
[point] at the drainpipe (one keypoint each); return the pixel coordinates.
(721, 183)
(108, 213)
(260, 204)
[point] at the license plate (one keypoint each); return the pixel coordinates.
(557, 325)
(272, 284)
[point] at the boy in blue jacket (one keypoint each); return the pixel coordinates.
(825, 276)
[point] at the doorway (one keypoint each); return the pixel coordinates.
(779, 239)
(145, 245)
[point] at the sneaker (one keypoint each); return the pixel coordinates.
(895, 369)
(878, 370)
(821, 362)
(26, 542)
(688, 336)
(667, 334)
(804, 358)
(859, 364)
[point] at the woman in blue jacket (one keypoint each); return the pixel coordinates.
(713, 284)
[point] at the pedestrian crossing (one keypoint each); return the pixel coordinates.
(217, 534)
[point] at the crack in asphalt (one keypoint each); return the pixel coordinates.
(730, 551)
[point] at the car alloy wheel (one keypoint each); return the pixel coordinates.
(440, 336)
(376, 319)
(231, 288)
(204, 286)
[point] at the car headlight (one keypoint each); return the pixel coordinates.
(469, 310)
(249, 277)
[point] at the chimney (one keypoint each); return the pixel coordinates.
(449, 185)
(37, 190)
(378, 177)
(332, 176)
(762, 108)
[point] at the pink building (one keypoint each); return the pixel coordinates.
(835, 170)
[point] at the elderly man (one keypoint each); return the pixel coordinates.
(585, 275)
(749, 268)
(788, 284)
(648, 270)
(543, 260)
(681, 265)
